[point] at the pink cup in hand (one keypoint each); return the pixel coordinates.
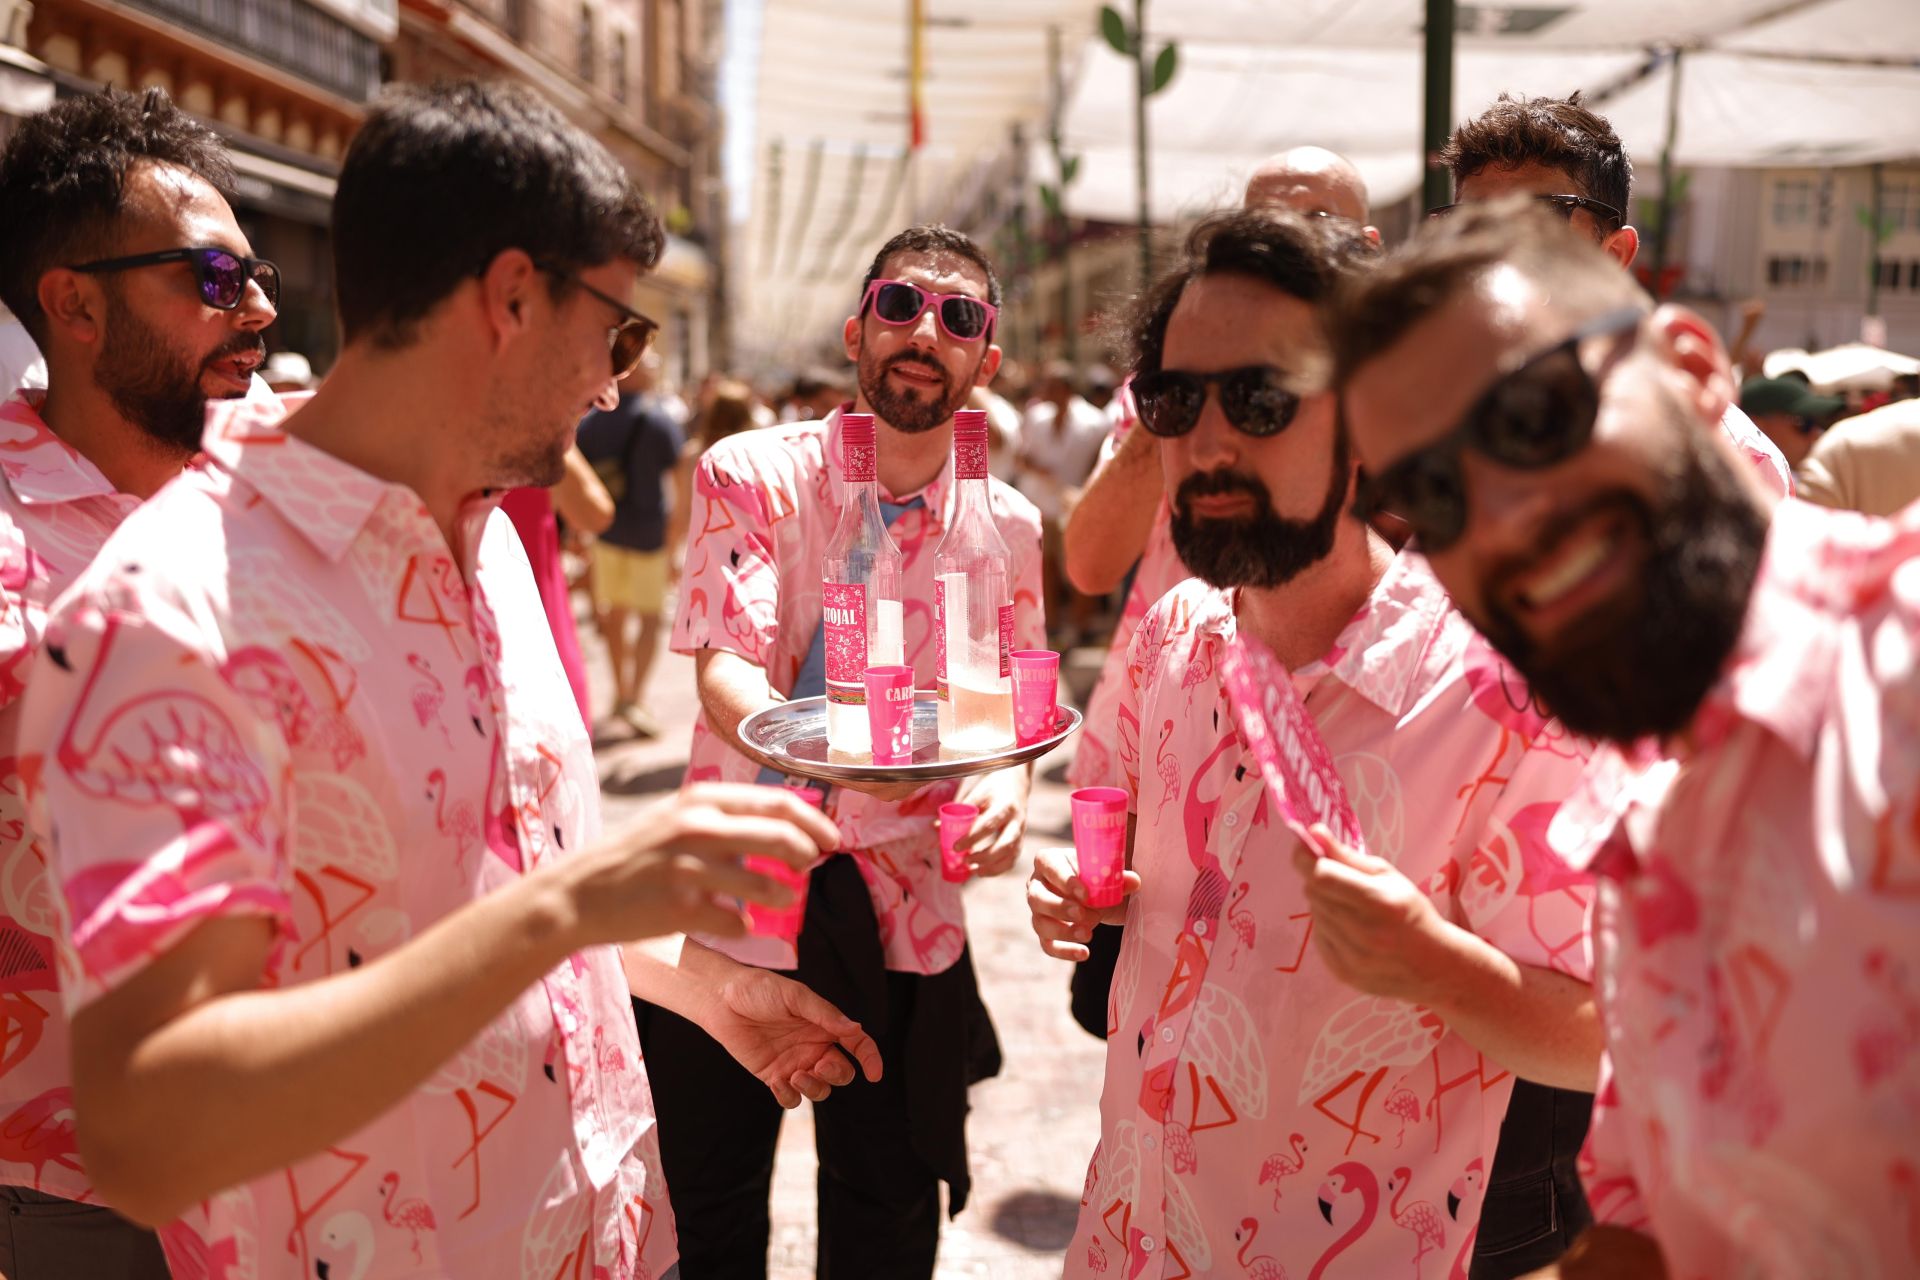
(782, 922)
(1036, 688)
(955, 821)
(1100, 841)
(890, 713)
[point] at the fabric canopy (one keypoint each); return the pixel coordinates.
(1761, 83)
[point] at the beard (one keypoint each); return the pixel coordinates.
(152, 384)
(1640, 666)
(1266, 548)
(909, 411)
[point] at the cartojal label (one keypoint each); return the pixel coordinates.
(970, 459)
(940, 638)
(844, 613)
(1006, 639)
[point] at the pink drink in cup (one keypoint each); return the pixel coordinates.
(1036, 688)
(890, 713)
(782, 922)
(1100, 842)
(955, 821)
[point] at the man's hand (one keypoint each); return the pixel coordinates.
(664, 876)
(1375, 929)
(787, 1036)
(992, 845)
(1057, 897)
(1608, 1253)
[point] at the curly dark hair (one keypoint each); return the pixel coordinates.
(934, 238)
(63, 183)
(443, 178)
(1558, 133)
(1306, 257)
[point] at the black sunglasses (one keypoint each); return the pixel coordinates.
(222, 275)
(1538, 412)
(627, 341)
(1253, 398)
(1564, 205)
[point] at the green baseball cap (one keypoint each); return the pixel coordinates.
(1786, 395)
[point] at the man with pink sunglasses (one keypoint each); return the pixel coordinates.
(882, 931)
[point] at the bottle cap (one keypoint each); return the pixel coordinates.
(970, 424)
(856, 428)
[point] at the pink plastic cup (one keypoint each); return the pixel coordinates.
(890, 713)
(1100, 841)
(1036, 690)
(783, 922)
(955, 821)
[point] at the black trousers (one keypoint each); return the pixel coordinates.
(879, 1202)
(1535, 1205)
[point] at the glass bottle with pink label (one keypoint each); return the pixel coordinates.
(859, 593)
(972, 606)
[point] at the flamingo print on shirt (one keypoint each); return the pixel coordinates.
(1214, 1058)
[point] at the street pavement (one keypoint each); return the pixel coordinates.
(1032, 1128)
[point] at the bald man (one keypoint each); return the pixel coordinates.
(1311, 180)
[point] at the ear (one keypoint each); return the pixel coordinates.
(74, 305)
(989, 366)
(506, 289)
(1623, 246)
(1695, 349)
(1371, 232)
(850, 338)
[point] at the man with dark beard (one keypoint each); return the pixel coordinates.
(1350, 1023)
(1755, 823)
(90, 192)
(884, 936)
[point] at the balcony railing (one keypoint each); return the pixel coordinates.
(288, 34)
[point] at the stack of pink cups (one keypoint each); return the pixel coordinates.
(890, 713)
(1100, 842)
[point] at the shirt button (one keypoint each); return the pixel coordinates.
(1166, 1035)
(1146, 1242)
(1233, 819)
(1150, 1141)
(1199, 928)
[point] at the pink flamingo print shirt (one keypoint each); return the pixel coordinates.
(1258, 1116)
(56, 510)
(1096, 761)
(277, 692)
(764, 505)
(1757, 934)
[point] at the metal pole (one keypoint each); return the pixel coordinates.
(1663, 234)
(1874, 242)
(1141, 89)
(1438, 188)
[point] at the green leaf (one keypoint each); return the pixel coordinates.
(1163, 68)
(1069, 169)
(1114, 28)
(1051, 199)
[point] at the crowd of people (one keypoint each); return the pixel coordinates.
(1598, 959)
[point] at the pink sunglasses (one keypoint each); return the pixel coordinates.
(896, 302)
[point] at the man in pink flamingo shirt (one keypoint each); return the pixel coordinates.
(133, 356)
(1308, 1061)
(1755, 826)
(340, 938)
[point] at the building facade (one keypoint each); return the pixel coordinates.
(286, 82)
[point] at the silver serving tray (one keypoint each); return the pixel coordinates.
(793, 736)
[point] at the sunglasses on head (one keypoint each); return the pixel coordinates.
(1539, 412)
(221, 275)
(1564, 205)
(627, 342)
(1254, 399)
(963, 319)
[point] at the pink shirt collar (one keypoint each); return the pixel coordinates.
(1382, 651)
(935, 493)
(327, 500)
(39, 466)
